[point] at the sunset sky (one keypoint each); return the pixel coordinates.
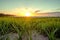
(42, 5)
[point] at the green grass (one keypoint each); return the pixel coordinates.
(45, 26)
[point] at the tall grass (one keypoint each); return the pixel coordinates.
(21, 26)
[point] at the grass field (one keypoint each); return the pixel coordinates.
(47, 26)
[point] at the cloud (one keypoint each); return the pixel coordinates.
(58, 9)
(18, 11)
(54, 10)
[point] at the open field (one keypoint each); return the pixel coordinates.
(27, 26)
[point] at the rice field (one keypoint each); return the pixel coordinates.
(25, 26)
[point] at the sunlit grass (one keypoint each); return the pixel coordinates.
(44, 26)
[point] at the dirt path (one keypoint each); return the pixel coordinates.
(35, 36)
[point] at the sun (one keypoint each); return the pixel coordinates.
(27, 14)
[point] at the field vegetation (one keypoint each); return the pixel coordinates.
(47, 26)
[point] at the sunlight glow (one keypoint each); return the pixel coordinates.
(27, 14)
(24, 12)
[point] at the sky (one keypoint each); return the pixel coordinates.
(43, 5)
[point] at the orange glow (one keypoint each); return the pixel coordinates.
(24, 12)
(27, 14)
